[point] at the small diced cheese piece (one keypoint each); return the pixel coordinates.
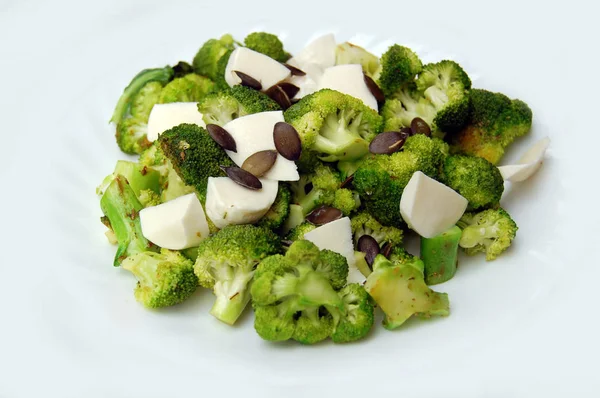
(228, 203)
(348, 79)
(177, 224)
(308, 83)
(256, 65)
(529, 163)
(320, 51)
(430, 207)
(166, 116)
(254, 133)
(337, 236)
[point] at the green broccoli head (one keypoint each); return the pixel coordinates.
(364, 223)
(400, 291)
(399, 256)
(323, 187)
(490, 231)
(495, 122)
(348, 53)
(195, 156)
(380, 179)
(399, 66)
(268, 44)
(358, 317)
(298, 232)
(334, 126)
(479, 181)
(164, 279)
(222, 107)
(207, 58)
(295, 296)
(189, 88)
(226, 262)
(149, 198)
(279, 211)
(121, 207)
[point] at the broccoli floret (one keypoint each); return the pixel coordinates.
(495, 122)
(298, 232)
(399, 66)
(348, 53)
(194, 154)
(279, 211)
(206, 59)
(365, 224)
(490, 231)
(400, 291)
(131, 112)
(295, 296)
(322, 187)
(224, 106)
(226, 262)
(399, 256)
(121, 207)
(479, 181)
(182, 68)
(140, 177)
(189, 88)
(149, 198)
(440, 255)
(358, 317)
(164, 279)
(381, 179)
(268, 44)
(334, 126)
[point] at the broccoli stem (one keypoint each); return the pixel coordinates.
(440, 255)
(232, 297)
(310, 201)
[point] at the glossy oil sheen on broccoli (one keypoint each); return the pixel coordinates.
(222, 107)
(334, 126)
(226, 263)
(164, 279)
(490, 231)
(495, 122)
(268, 44)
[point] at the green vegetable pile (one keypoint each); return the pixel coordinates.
(297, 291)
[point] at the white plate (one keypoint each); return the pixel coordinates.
(524, 325)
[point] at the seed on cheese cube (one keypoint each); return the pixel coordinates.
(254, 133)
(166, 116)
(348, 79)
(256, 65)
(177, 224)
(529, 163)
(430, 207)
(228, 203)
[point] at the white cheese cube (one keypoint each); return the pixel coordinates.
(348, 79)
(166, 116)
(256, 65)
(320, 51)
(529, 163)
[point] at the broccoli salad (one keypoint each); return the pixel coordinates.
(289, 183)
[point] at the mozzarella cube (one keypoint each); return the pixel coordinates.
(228, 203)
(348, 79)
(337, 236)
(308, 83)
(430, 207)
(177, 224)
(254, 133)
(166, 116)
(320, 51)
(256, 65)
(529, 163)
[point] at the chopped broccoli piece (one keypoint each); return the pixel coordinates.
(189, 88)
(298, 232)
(348, 53)
(365, 224)
(226, 262)
(149, 198)
(322, 187)
(334, 126)
(399, 256)
(400, 291)
(479, 181)
(495, 122)
(399, 66)
(182, 68)
(295, 218)
(380, 179)
(195, 156)
(358, 317)
(207, 58)
(490, 231)
(121, 207)
(164, 279)
(139, 176)
(279, 211)
(440, 256)
(224, 106)
(268, 44)
(144, 100)
(295, 296)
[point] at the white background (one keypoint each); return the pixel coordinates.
(523, 326)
